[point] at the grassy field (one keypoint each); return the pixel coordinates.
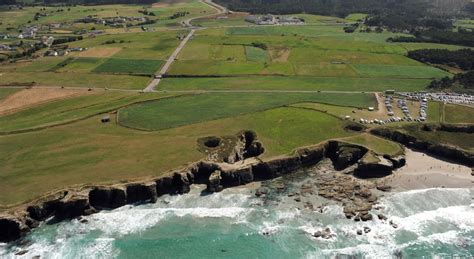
(399, 71)
(74, 79)
(458, 114)
(91, 152)
(294, 83)
(64, 111)
(129, 66)
(175, 112)
(378, 145)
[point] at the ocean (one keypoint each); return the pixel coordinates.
(431, 223)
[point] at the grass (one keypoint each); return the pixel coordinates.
(458, 114)
(82, 65)
(399, 71)
(379, 145)
(254, 54)
(356, 17)
(462, 140)
(129, 66)
(175, 112)
(307, 83)
(64, 111)
(38, 162)
(74, 79)
(5, 92)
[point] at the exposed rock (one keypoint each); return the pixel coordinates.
(366, 230)
(437, 149)
(11, 228)
(371, 166)
(317, 234)
(365, 216)
(108, 197)
(383, 187)
(382, 217)
(182, 181)
(71, 206)
(165, 185)
(214, 184)
(359, 232)
(397, 161)
(393, 224)
(237, 177)
(142, 192)
(344, 155)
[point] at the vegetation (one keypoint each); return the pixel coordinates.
(175, 112)
(460, 82)
(461, 37)
(463, 59)
(458, 114)
(129, 66)
(69, 110)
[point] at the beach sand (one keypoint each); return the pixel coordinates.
(423, 171)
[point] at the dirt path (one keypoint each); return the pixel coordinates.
(31, 97)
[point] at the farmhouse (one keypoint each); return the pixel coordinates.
(274, 20)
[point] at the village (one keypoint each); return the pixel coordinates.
(274, 20)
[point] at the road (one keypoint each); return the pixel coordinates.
(156, 81)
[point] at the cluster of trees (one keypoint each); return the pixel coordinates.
(461, 37)
(178, 14)
(463, 59)
(98, 2)
(463, 82)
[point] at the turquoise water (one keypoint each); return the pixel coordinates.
(236, 224)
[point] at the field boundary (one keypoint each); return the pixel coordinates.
(27, 130)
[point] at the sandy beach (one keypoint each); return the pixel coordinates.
(423, 171)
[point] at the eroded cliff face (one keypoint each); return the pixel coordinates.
(216, 175)
(436, 149)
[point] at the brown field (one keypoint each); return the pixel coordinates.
(279, 54)
(30, 97)
(98, 52)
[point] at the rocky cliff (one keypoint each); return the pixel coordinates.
(217, 176)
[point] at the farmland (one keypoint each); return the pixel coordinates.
(291, 84)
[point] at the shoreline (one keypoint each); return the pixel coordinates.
(426, 172)
(356, 177)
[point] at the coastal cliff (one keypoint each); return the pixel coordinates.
(216, 175)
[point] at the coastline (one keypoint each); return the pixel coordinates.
(425, 172)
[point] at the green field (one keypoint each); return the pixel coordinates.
(458, 114)
(69, 110)
(129, 66)
(175, 112)
(399, 71)
(294, 83)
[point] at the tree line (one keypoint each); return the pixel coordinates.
(463, 58)
(460, 37)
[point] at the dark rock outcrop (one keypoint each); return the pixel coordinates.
(108, 197)
(182, 182)
(436, 149)
(142, 192)
(72, 206)
(165, 185)
(11, 228)
(372, 166)
(216, 176)
(214, 184)
(344, 155)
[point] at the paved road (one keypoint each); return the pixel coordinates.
(156, 81)
(167, 65)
